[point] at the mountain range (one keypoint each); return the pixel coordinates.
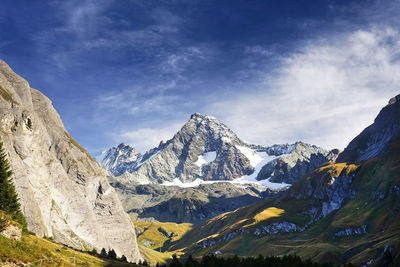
(163, 184)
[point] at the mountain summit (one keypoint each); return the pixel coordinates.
(205, 148)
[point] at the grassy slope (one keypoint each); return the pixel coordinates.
(159, 233)
(318, 241)
(32, 249)
(153, 256)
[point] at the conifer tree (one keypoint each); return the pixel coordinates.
(8, 197)
(112, 254)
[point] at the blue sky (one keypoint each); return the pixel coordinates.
(274, 71)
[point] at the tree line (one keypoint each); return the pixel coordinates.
(260, 261)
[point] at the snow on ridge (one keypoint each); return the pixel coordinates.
(252, 155)
(242, 181)
(195, 183)
(206, 158)
(226, 139)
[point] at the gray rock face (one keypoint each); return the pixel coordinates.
(352, 231)
(64, 193)
(325, 193)
(375, 138)
(302, 159)
(12, 231)
(119, 159)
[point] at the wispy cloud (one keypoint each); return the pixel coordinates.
(146, 138)
(324, 94)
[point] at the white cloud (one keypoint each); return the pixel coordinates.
(325, 94)
(146, 138)
(177, 62)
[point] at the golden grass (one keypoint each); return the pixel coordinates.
(153, 256)
(268, 213)
(335, 169)
(33, 249)
(7, 96)
(159, 232)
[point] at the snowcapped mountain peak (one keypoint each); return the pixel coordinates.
(206, 149)
(116, 158)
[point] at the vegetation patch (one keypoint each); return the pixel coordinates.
(39, 251)
(160, 234)
(73, 141)
(7, 96)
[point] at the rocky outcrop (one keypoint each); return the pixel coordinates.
(12, 231)
(64, 193)
(375, 138)
(302, 159)
(325, 189)
(352, 231)
(9, 228)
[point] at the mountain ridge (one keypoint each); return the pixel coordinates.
(207, 149)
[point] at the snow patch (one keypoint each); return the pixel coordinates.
(195, 183)
(252, 155)
(206, 158)
(226, 139)
(259, 159)
(240, 182)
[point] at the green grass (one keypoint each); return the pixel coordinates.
(33, 249)
(7, 96)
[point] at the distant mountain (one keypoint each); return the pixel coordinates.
(340, 212)
(181, 179)
(207, 149)
(63, 191)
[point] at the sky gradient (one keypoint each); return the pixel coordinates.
(273, 71)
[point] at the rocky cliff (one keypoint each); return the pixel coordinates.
(375, 138)
(290, 167)
(63, 192)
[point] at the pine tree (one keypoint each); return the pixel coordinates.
(103, 253)
(8, 197)
(112, 254)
